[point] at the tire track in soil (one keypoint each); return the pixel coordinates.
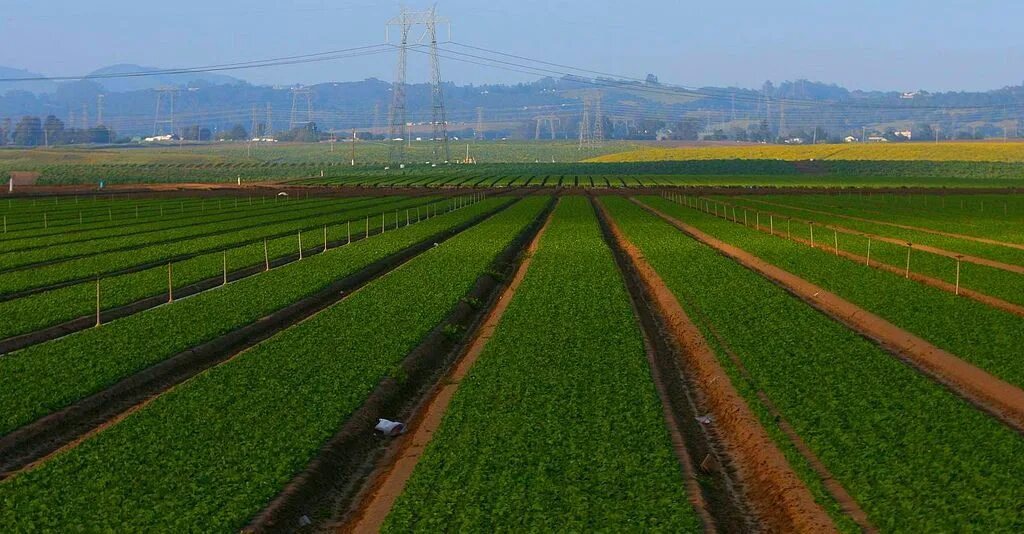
(987, 392)
(917, 277)
(985, 240)
(1018, 269)
(776, 494)
(393, 474)
(341, 476)
(31, 445)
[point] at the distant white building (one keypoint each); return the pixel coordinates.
(877, 139)
(851, 139)
(159, 138)
(905, 133)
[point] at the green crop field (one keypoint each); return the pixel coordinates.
(568, 350)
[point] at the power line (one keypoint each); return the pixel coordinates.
(288, 60)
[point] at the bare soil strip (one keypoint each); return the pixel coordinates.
(846, 501)
(341, 476)
(713, 485)
(1002, 399)
(776, 493)
(985, 240)
(24, 447)
(392, 475)
(926, 248)
(926, 280)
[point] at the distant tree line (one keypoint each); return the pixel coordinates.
(32, 131)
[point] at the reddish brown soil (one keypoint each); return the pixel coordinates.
(772, 487)
(657, 356)
(394, 473)
(846, 501)
(847, 231)
(903, 226)
(992, 394)
(926, 280)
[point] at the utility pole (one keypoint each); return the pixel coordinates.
(99, 109)
(353, 147)
(376, 119)
(405, 22)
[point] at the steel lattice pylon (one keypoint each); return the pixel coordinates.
(399, 132)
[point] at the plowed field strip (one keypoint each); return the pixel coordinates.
(163, 261)
(897, 225)
(978, 296)
(1002, 399)
(776, 492)
(374, 509)
(68, 427)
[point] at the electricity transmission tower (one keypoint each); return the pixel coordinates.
(298, 94)
(99, 109)
(255, 124)
(598, 121)
(164, 94)
(586, 135)
(479, 132)
(549, 121)
(268, 127)
(399, 130)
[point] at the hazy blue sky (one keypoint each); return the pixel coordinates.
(870, 44)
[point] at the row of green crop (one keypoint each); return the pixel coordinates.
(46, 377)
(892, 172)
(34, 312)
(48, 220)
(101, 264)
(177, 172)
(951, 244)
(209, 454)
(185, 233)
(558, 426)
(1006, 285)
(998, 223)
(916, 457)
(152, 218)
(976, 332)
